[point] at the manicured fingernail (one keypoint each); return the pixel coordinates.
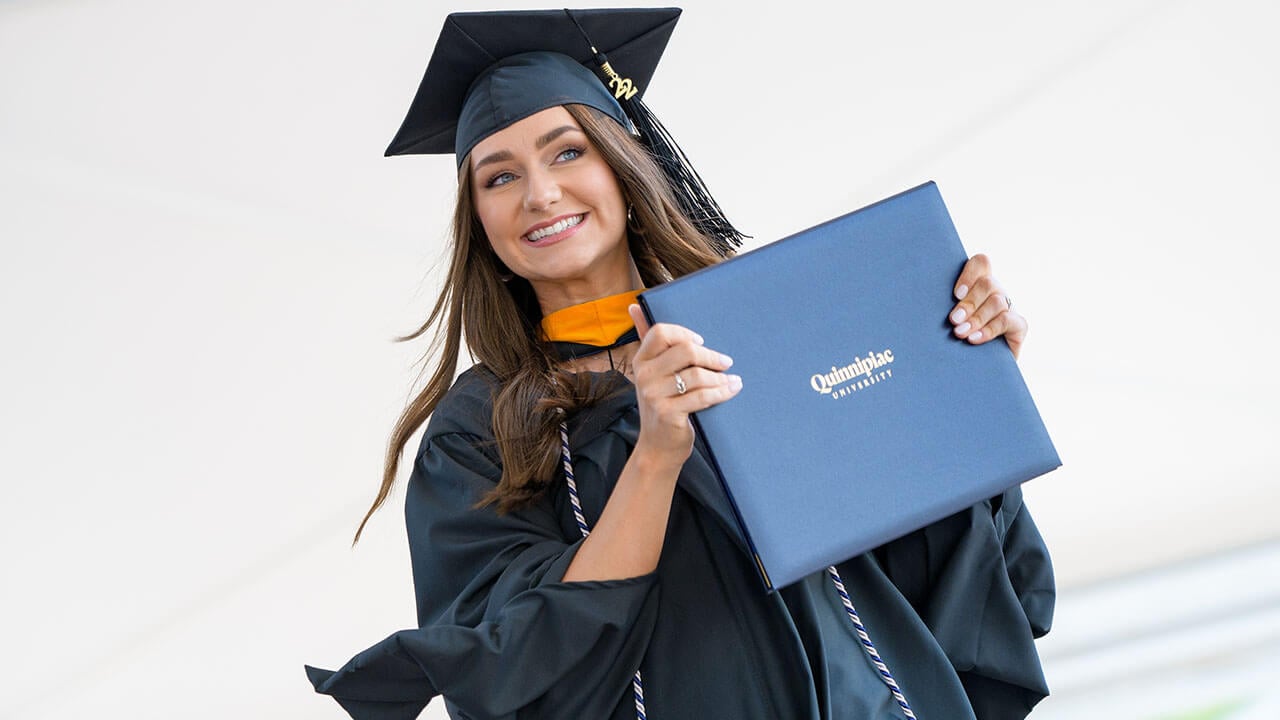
(976, 336)
(697, 338)
(958, 315)
(726, 360)
(962, 328)
(735, 382)
(962, 291)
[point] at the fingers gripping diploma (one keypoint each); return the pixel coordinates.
(984, 312)
(675, 374)
(627, 540)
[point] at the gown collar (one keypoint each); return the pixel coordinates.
(591, 327)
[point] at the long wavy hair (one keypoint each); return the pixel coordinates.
(500, 316)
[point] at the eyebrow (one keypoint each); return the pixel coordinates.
(547, 139)
(500, 156)
(505, 155)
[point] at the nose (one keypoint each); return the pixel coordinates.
(541, 190)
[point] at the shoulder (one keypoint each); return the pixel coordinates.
(467, 407)
(458, 441)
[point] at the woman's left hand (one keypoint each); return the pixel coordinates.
(985, 312)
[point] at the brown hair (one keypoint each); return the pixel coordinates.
(500, 320)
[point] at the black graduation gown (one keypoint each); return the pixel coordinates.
(953, 608)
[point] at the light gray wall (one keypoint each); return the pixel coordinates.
(205, 256)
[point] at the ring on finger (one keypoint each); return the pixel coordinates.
(681, 388)
(1008, 302)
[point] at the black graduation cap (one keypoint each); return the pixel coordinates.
(491, 69)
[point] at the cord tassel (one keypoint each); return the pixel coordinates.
(691, 192)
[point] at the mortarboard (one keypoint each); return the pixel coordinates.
(492, 69)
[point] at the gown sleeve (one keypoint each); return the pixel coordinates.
(500, 634)
(983, 583)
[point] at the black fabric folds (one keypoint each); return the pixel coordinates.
(953, 608)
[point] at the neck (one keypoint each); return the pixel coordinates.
(560, 295)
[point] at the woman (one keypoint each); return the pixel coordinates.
(562, 217)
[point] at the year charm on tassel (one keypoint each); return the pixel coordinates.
(623, 88)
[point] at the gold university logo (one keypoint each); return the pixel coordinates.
(860, 374)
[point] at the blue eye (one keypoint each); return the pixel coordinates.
(572, 153)
(499, 179)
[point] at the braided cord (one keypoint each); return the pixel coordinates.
(858, 627)
(573, 486)
(637, 686)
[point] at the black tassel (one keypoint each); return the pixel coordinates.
(690, 191)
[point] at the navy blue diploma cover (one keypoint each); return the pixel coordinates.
(861, 417)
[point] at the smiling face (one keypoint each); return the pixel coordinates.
(553, 210)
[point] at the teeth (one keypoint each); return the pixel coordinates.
(561, 226)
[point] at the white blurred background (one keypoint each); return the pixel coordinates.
(204, 257)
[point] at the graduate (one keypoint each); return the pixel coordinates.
(573, 553)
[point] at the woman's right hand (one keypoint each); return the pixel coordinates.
(667, 351)
(627, 539)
